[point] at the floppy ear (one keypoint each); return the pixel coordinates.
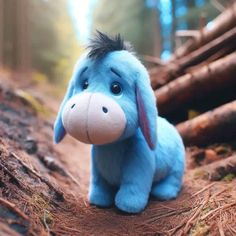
(59, 130)
(147, 111)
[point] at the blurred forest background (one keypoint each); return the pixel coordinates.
(41, 39)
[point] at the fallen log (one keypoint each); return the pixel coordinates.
(213, 126)
(224, 22)
(224, 169)
(217, 75)
(162, 75)
(223, 52)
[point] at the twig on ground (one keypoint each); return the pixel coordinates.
(10, 173)
(13, 207)
(45, 222)
(232, 229)
(217, 209)
(73, 178)
(195, 215)
(220, 228)
(218, 193)
(167, 207)
(203, 189)
(171, 213)
(66, 229)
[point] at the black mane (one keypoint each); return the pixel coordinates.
(102, 44)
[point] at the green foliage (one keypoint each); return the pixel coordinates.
(54, 44)
(229, 177)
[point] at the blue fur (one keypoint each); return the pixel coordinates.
(127, 171)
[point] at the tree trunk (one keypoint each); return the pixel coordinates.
(213, 126)
(1, 33)
(217, 75)
(156, 39)
(173, 25)
(191, 21)
(10, 35)
(220, 25)
(23, 42)
(173, 70)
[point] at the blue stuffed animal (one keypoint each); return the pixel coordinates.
(110, 104)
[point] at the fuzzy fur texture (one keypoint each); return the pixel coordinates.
(148, 158)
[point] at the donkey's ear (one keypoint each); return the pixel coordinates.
(59, 130)
(147, 111)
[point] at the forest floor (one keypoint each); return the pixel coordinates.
(43, 187)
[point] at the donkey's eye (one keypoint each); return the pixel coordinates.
(85, 84)
(116, 88)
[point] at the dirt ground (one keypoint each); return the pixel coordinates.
(43, 187)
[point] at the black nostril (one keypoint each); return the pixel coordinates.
(72, 106)
(105, 110)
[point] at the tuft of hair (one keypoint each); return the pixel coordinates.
(102, 44)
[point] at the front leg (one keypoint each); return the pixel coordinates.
(136, 183)
(100, 192)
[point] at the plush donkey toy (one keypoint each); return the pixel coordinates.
(110, 104)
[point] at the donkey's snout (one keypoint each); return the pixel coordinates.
(99, 119)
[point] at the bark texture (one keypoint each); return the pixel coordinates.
(210, 78)
(211, 50)
(213, 126)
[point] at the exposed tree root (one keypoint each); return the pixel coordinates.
(203, 189)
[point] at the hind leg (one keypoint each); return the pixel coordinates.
(167, 188)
